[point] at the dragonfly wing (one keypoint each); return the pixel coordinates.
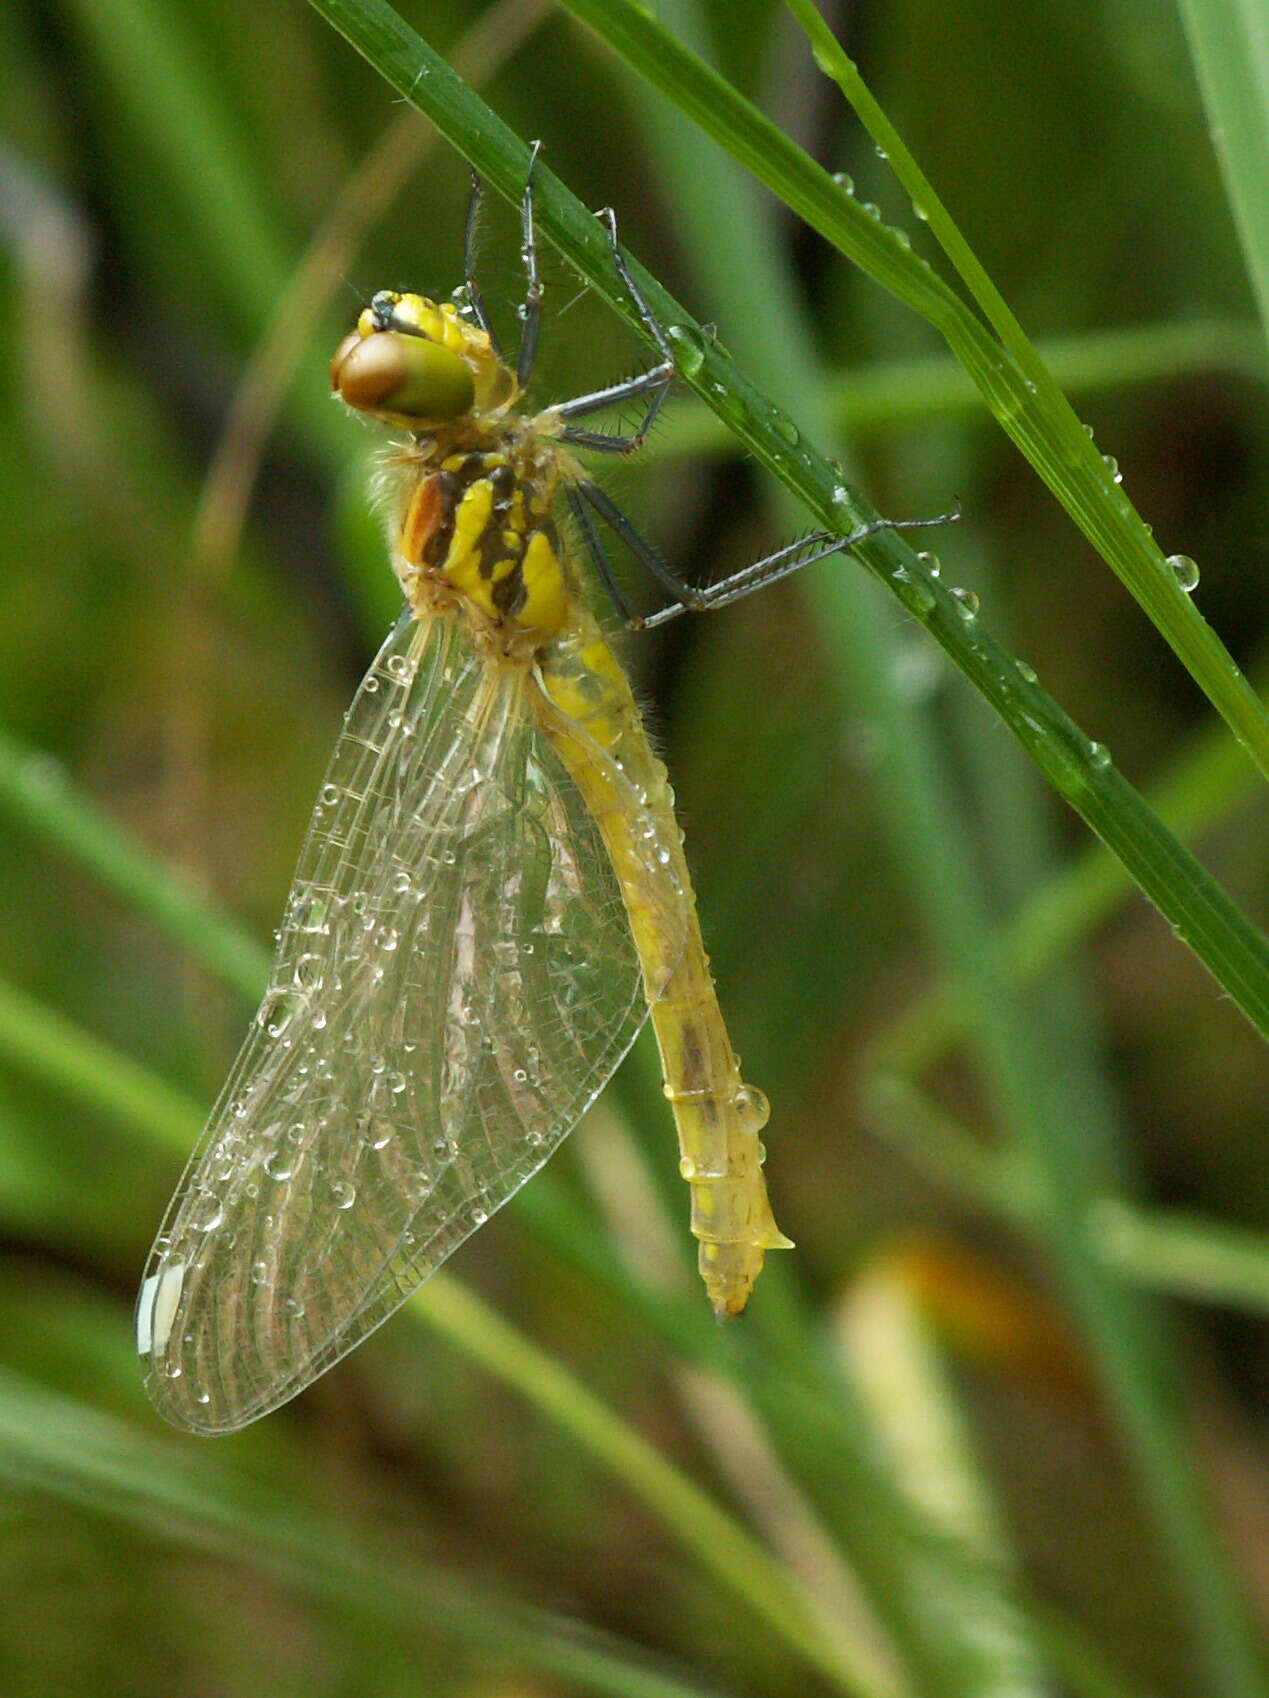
(455, 982)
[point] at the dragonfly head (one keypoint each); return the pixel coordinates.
(416, 364)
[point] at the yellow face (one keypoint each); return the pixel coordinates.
(419, 365)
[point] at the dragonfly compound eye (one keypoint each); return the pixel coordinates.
(404, 377)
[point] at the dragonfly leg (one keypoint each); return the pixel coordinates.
(654, 383)
(595, 548)
(531, 311)
(639, 546)
(471, 242)
(805, 551)
(782, 563)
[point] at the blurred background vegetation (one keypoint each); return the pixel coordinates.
(908, 1470)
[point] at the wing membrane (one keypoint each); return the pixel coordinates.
(455, 982)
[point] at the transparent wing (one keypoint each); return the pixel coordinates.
(455, 982)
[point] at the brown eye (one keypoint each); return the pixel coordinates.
(408, 376)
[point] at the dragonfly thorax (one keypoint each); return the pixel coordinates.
(476, 529)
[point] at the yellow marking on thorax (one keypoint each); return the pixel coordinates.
(547, 597)
(461, 564)
(500, 553)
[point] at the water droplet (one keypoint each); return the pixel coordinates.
(689, 348)
(1185, 571)
(209, 1213)
(1112, 466)
(343, 1193)
(278, 1010)
(786, 428)
(967, 602)
(844, 180)
(687, 1167)
(279, 1165)
(931, 562)
(330, 795)
(752, 1103)
(1098, 756)
(1026, 672)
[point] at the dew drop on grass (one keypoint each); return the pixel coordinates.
(967, 601)
(1098, 756)
(689, 348)
(1185, 571)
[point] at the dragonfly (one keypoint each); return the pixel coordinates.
(491, 900)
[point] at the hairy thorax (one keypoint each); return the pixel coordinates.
(476, 533)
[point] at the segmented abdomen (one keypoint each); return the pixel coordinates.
(587, 702)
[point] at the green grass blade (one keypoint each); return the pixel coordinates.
(51, 1048)
(1012, 380)
(34, 791)
(925, 1444)
(880, 399)
(57, 1448)
(1230, 44)
(1184, 1254)
(1194, 905)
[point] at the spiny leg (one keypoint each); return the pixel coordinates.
(599, 555)
(782, 564)
(531, 311)
(805, 551)
(639, 546)
(654, 383)
(471, 233)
